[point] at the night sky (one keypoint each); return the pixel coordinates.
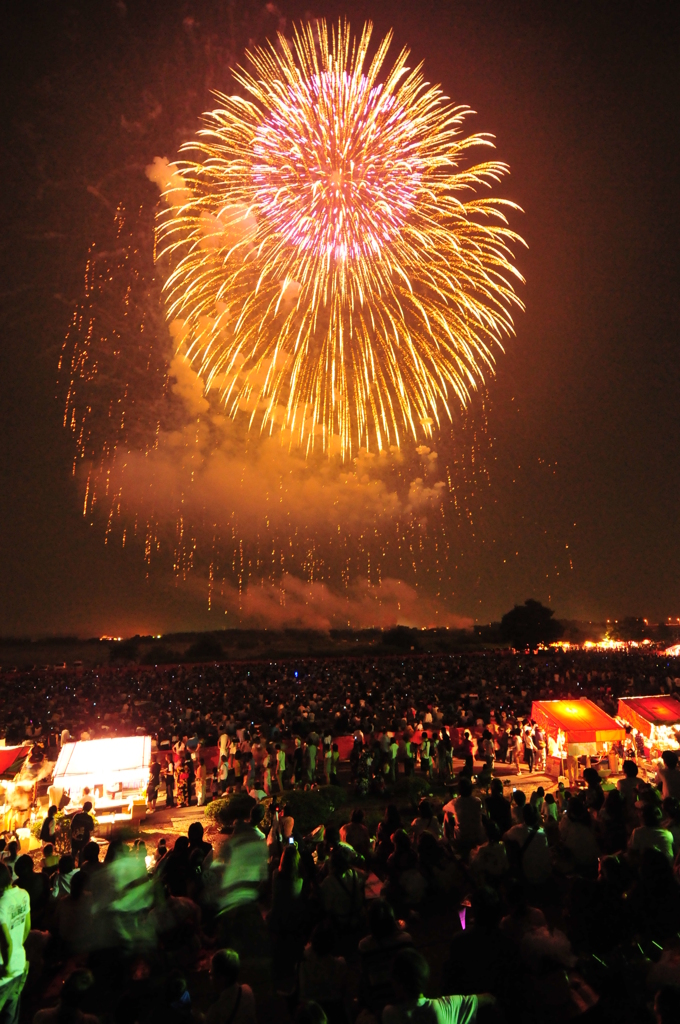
(581, 506)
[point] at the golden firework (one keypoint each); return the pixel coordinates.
(332, 271)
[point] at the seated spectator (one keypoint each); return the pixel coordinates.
(377, 951)
(521, 918)
(671, 821)
(342, 893)
(36, 885)
(323, 976)
(73, 916)
(405, 886)
(529, 855)
(62, 881)
(611, 824)
(410, 975)
(235, 1003)
(489, 862)
(76, 992)
(438, 867)
(355, 833)
(651, 834)
(425, 822)
(383, 839)
(498, 808)
(578, 837)
(628, 788)
(50, 860)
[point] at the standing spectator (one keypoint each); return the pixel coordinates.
(48, 829)
(529, 748)
(468, 749)
(15, 924)
(82, 827)
(652, 833)
(280, 765)
(201, 783)
(498, 808)
(516, 749)
(668, 777)
(170, 783)
(425, 758)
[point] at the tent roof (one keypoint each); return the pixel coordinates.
(581, 720)
(12, 760)
(657, 710)
(117, 757)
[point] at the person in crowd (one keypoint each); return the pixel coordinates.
(323, 975)
(468, 814)
(489, 862)
(384, 846)
(498, 808)
(235, 1002)
(410, 975)
(76, 993)
(528, 852)
(652, 834)
(82, 828)
(355, 833)
(15, 926)
(628, 788)
(48, 829)
(668, 776)
(577, 835)
(426, 821)
(37, 887)
(377, 951)
(342, 893)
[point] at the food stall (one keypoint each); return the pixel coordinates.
(112, 773)
(16, 796)
(656, 718)
(575, 729)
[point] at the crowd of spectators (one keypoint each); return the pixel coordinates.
(479, 903)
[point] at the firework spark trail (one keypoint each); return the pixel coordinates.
(329, 275)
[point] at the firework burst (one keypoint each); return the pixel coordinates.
(332, 271)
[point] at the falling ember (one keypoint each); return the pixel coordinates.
(332, 273)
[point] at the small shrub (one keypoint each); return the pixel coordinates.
(413, 788)
(230, 808)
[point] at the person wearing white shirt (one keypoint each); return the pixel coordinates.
(651, 834)
(15, 924)
(668, 777)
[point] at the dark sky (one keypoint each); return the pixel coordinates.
(584, 414)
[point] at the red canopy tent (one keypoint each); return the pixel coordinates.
(645, 713)
(12, 760)
(581, 721)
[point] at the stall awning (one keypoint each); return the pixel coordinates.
(12, 760)
(644, 712)
(581, 721)
(119, 759)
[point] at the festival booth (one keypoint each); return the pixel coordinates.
(15, 796)
(656, 718)
(574, 729)
(115, 771)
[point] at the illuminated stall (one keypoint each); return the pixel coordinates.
(656, 718)
(113, 771)
(575, 729)
(15, 796)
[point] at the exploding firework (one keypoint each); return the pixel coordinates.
(333, 273)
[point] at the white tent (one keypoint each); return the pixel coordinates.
(115, 764)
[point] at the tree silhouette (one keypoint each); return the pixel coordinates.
(529, 625)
